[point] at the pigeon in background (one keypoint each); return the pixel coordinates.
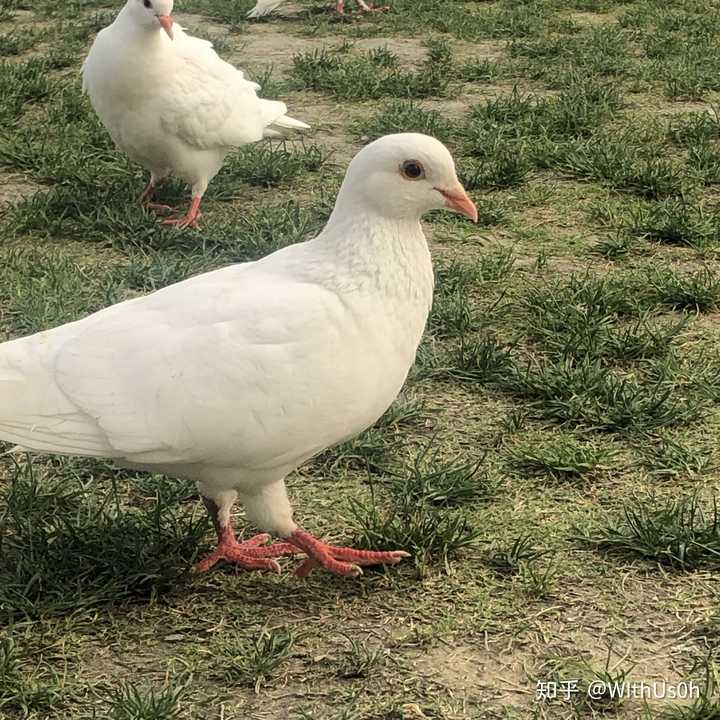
(236, 377)
(171, 103)
(265, 7)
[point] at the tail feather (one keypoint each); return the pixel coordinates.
(288, 123)
(276, 122)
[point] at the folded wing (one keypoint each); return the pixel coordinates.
(210, 104)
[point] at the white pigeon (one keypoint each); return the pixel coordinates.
(265, 7)
(236, 377)
(171, 103)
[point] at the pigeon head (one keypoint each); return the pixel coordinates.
(153, 14)
(404, 176)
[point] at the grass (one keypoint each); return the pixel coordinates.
(133, 702)
(405, 116)
(373, 74)
(564, 458)
(510, 557)
(551, 464)
(252, 660)
(683, 534)
(359, 660)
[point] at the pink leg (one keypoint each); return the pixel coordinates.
(252, 554)
(340, 6)
(190, 219)
(339, 560)
(147, 196)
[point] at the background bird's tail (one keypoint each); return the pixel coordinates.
(284, 123)
(276, 122)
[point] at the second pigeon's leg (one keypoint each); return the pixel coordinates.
(252, 554)
(340, 6)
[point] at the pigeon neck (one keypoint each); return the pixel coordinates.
(349, 213)
(388, 255)
(147, 34)
(365, 231)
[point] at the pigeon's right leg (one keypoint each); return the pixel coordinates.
(269, 508)
(191, 217)
(340, 6)
(251, 554)
(149, 193)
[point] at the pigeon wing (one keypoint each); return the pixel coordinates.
(196, 373)
(208, 103)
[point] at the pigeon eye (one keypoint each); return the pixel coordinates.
(147, 4)
(412, 170)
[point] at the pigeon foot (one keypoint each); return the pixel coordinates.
(190, 219)
(147, 196)
(252, 554)
(339, 560)
(159, 207)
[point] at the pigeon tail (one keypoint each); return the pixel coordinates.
(279, 127)
(275, 121)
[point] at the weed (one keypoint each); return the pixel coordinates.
(681, 533)
(563, 458)
(66, 546)
(253, 660)
(537, 580)
(130, 701)
(695, 128)
(374, 74)
(698, 292)
(359, 660)
(405, 116)
(507, 558)
(269, 165)
(666, 456)
(428, 534)
(441, 483)
(673, 221)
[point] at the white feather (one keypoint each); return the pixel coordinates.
(264, 7)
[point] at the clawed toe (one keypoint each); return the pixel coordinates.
(159, 208)
(183, 222)
(339, 560)
(251, 554)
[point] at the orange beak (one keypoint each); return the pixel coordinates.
(166, 23)
(458, 200)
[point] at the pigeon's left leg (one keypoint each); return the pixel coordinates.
(149, 193)
(251, 554)
(269, 508)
